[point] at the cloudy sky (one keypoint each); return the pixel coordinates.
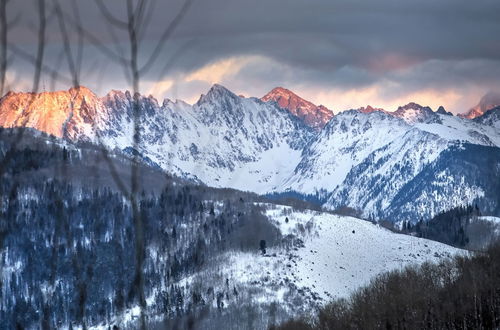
(343, 54)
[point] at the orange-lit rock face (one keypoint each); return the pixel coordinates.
(55, 113)
(472, 113)
(488, 101)
(312, 115)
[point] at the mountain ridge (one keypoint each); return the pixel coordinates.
(224, 140)
(312, 115)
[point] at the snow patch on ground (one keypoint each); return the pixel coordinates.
(339, 254)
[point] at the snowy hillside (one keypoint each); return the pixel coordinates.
(324, 256)
(337, 254)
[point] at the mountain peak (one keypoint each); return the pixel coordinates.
(370, 109)
(489, 101)
(413, 112)
(441, 110)
(411, 106)
(81, 90)
(311, 114)
(217, 92)
(490, 117)
(218, 88)
(280, 91)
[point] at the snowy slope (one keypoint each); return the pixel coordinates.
(345, 141)
(324, 257)
(372, 184)
(321, 257)
(453, 128)
(495, 220)
(340, 254)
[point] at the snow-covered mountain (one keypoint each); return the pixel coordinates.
(223, 140)
(368, 160)
(311, 114)
(398, 165)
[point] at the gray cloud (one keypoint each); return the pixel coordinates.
(400, 46)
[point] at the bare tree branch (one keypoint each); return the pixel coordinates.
(67, 46)
(41, 45)
(99, 44)
(175, 56)
(166, 35)
(33, 60)
(79, 56)
(107, 14)
(147, 18)
(139, 14)
(14, 21)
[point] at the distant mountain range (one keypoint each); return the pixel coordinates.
(407, 164)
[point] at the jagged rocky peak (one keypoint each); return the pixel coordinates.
(81, 91)
(413, 113)
(370, 109)
(410, 106)
(311, 114)
(489, 101)
(168, 103)
(217, 93)
(117, 95)
(441, 110)
(120, 103)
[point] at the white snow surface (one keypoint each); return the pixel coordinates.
(495, 220)
(339, 255)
